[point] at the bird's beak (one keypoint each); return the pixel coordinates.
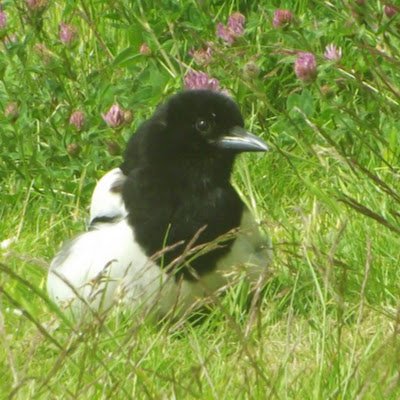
(238, 139)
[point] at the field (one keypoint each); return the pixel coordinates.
(327, 321)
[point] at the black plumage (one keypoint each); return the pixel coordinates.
(178, 179)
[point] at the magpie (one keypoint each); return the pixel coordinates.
(166, 227)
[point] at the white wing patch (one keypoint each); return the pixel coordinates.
(104, 266)
(107, 199)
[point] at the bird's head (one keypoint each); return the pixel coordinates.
(193, 125)
(207, 121)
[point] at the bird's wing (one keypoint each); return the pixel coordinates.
(106, 266)
(107, 204)
(102, 266)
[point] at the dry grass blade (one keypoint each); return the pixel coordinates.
(368, 212)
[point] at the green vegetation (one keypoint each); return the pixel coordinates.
(328, 320)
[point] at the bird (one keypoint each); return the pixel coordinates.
(166, 227)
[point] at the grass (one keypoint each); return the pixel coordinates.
(328, 193)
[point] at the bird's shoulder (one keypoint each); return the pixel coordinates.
(107, 203)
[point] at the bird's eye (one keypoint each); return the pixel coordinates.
(203, 126)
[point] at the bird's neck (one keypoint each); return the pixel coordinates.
(199, 172)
